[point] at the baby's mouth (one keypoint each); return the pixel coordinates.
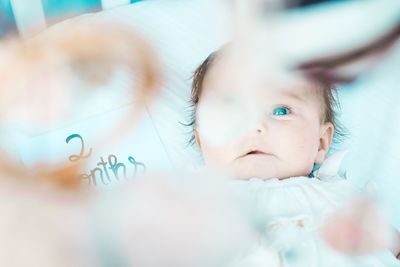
(256, 153)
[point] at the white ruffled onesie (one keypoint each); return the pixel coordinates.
(290, 212)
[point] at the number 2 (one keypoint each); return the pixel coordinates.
(82, 152)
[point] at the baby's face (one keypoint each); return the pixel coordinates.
(287, 140)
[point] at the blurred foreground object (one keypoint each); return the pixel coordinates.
(44, 212)
(358, 228)
(49, 78)
(176, 219)
(42, 225)
(157, 220)
(327, 40)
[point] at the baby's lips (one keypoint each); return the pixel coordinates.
(358, 228)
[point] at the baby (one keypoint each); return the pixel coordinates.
(291, 140)
(275, 161)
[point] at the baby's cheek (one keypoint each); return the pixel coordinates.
(304, 150)
(214, 156)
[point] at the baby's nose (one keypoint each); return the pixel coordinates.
(261, 129)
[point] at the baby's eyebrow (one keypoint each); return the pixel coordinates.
(295, 95)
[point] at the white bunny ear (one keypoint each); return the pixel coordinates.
(330, 166)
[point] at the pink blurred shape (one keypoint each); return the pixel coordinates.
(358, 228)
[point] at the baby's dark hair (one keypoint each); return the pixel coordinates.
(329, 95)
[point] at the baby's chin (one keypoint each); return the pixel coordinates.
(264, 168)
(263, 173)
(262, 176)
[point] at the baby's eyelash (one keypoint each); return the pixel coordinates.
(283, 106)
(276, 111)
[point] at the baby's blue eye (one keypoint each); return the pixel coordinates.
(280, 111)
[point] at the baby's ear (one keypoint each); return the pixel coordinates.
(325, 141)
(197, 138)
